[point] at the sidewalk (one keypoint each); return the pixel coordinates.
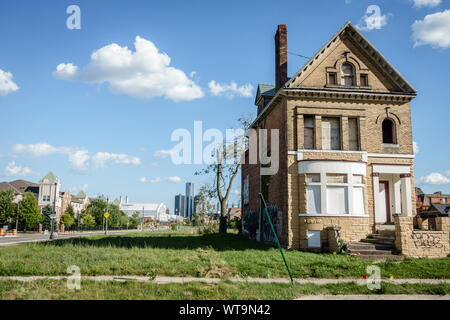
(164, 280)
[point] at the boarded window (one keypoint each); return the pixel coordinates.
(308, 125)
(337, 200)
(358, 200)
(314, 238)
(364, 82)
(353, 141)
(336, 178)
(348, 75)
(332, 78)
(331, 137)
(313, 199)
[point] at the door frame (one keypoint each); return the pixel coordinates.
(387, 193)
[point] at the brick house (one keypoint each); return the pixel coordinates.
(345, 144)
(424, 201)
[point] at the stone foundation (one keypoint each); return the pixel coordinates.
(350, 229)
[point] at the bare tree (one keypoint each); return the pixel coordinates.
(229, 157)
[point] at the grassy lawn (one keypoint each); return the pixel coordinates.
(224, 290)
(185, 253)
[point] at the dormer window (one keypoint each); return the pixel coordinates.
(348, 75)
(388, 127)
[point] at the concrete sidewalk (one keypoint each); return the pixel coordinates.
(163, 280)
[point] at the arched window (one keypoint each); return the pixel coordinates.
(388, 127)
(348, 75)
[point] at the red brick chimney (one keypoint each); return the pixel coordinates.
(280, 56)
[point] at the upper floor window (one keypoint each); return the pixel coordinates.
(309, 129)
(364, 80)
(353, 134)
(388, 127)
(331, 134)
(348, 75)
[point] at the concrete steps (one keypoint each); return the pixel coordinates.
(377, 248)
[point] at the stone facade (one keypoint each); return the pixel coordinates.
(372, 170)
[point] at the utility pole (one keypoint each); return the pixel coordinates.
(18, 209)
(53, 216)
(142, 220)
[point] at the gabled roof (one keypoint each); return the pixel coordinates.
(441, 208)
(49, 176)
(377, 58)
(24, 186)
(4, 186)
(265, 90)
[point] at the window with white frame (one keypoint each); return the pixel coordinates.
(337, 190)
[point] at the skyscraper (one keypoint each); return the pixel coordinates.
(179, 208)
(189, 200)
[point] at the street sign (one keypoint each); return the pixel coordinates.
(53, 216)
(106, 215)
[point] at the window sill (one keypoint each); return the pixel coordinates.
(325, 215)
(391, 145)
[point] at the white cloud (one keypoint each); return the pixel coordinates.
(13, 170)
(415, 147)
(66, 71)
(162, 154)
(174, 179)
(435, 178)
(158, 179)
(79, 159)
(348, 1)
(101, 158)
(373, 19)
(230, 90)
(426, 3)
(145, 73)
(6, 84)
(236, 192)
(143, 179)
(434, 30)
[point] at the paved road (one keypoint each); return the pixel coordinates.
(39, 237)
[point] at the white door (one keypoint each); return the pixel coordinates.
(381, 212)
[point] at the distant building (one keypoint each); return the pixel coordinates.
(189, 200)
(156, 211)
(179, 208)
(424, 201)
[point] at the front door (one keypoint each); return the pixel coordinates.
(385, 203)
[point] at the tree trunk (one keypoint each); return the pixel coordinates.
(223, 217)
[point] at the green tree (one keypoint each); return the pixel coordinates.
(97, 209)
(29, 213)
(134, 220)
(67, 220)
(88, 220)
(70, 211)
(7, 205)
(46, 220)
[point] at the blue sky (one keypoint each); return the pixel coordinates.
(98, 132)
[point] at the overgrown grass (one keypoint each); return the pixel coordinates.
(224, 290)
(181, 253)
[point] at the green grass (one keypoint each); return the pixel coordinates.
(172, 253)
(224, 290)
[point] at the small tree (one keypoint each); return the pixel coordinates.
(46, 220)
(7, 205)
(225, 171)
(88, 220)
(29, 213)
(97, 209)
(67, 220)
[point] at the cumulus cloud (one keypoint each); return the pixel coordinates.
(79, 159)
(435, 178)
(426, 3)
(373, 19)
(14, 170)
(101, 158)
(143, 179)
(145, 73)
(433, 30)
(7, 85)
(174, 179)
(162, 154)
(415, 147)
(155, 180)
(230, 90)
